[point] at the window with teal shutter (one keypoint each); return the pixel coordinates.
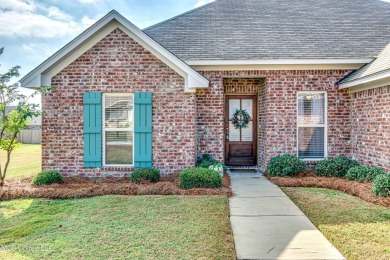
(92, 129)
(143, 130)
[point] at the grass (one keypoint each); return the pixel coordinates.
(113, 227)
(25, 161)
(359, 229)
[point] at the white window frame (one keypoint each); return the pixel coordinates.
(325, 125)
(114, 129)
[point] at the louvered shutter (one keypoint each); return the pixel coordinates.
(92, 129)
(143, 130)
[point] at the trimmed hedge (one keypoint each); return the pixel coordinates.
(147, 174)
(47, 177)
(199, 178)
(381, 185)
(337, 166)
(285, 165)
(363, 173)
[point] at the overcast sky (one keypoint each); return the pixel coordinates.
(32, 30)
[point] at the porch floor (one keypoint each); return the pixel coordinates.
(267, 225)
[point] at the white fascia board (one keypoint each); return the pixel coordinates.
(369, 81)
(277, 62)
(97, 32)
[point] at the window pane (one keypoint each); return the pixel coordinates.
(247, 105)
(247, 133)
(119, 148)
(234, 104)
(311, 142)
(119, 111)
(311, 108)
(234, 134)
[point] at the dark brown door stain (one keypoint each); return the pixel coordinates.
(241, 143)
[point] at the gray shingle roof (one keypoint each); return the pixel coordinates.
(380, 64)
(277, 29)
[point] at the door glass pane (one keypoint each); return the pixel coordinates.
(247, 105)
(234, 134)
(311, 108)
(247, 133)
(311, 142)
(118, 111)
(234, 104)
(119, 148)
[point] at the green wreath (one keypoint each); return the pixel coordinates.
(241, 119)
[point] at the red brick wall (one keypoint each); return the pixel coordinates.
(278, 106)
(118, 64)
(370, 113)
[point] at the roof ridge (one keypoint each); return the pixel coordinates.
(182, 14)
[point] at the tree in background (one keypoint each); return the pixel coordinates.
(12, 122)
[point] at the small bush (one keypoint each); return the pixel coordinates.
(207, 165)
(337, 166)
(286, 165)
(205, 158)
(199, 178)
(147, 174)
(47, 177)
(381, 185)
(363, 173)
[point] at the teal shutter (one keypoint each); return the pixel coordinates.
(142, 130)
(92, 129)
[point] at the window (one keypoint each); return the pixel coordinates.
(118, 129)
(312, 132)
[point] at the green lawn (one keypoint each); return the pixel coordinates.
(359, 229)
(113, 227)
(25, 161)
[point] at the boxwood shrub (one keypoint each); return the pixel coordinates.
(47, 177)
(199, 178)
(285, 165)
(337, 166)
(381, 185)
(363, 173)
(147, 174)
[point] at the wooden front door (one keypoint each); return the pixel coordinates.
(240, 143)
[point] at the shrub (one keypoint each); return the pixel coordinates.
(47, 177)
(363, 173)
(337, 166)
(285, 165)
(199, 178)
(205, 158)
(147, 174)
(207, 165)
(381, 185)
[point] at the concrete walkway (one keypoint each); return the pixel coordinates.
(267, 224)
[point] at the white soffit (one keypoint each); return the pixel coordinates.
(41, 75)
(372, 81)
(278, 64)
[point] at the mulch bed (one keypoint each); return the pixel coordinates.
(80, 187)
(362, 190)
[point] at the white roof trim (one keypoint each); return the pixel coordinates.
(278, 62)
(41, 75)
(372, 81)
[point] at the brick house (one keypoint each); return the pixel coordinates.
(312, 84)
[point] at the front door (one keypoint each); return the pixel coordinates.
(240, 142)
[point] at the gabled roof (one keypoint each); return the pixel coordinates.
(376, 73)
(277, 29)
(41, 75)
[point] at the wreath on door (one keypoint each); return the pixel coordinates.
(241, 119)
